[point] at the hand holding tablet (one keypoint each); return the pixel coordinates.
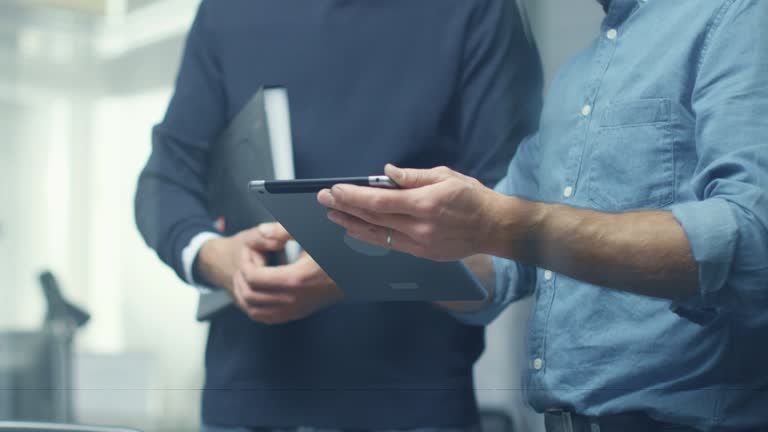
(364, 271)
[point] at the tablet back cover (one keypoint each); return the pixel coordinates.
(366, 272)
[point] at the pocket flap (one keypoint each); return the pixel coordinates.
(638, 112)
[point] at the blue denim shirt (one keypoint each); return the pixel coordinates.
(666, 110)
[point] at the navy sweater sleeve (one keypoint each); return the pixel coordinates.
(500, 91)
(170, 199)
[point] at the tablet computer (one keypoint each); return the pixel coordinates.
(363, 271)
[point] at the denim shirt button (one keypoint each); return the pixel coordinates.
(568, 191)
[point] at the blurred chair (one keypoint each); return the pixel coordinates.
(55, 427)
(36, 366)
(492, 420)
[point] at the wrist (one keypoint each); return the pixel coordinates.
(517, 227)
(211, 262)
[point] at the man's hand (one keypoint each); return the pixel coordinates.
(277, 295)
(271, 295)
(438, 214)
(219, 259)
(443, 215)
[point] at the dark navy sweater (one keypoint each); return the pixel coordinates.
(419, 83)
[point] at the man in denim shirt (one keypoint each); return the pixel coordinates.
(638, 215)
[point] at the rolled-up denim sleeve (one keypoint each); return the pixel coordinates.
(727, 224)
(514, 281)
(713, 233)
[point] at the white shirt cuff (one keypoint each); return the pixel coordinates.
(189, 255)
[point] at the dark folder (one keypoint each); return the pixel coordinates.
(242, 153)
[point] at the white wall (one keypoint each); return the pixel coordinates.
(8, 118)
(563, 27)
(36, 208)
(76, 132)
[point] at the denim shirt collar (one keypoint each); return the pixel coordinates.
(618, 11)
(607, 3)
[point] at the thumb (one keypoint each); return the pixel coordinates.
(274, 231)
(260, 238)
(416, 178)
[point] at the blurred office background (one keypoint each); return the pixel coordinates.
(81, 84)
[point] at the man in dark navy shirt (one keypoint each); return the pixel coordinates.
(416, 82)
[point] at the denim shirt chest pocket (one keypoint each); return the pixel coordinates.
(632, 164)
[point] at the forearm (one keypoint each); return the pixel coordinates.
(213, 264)
(644, 252)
